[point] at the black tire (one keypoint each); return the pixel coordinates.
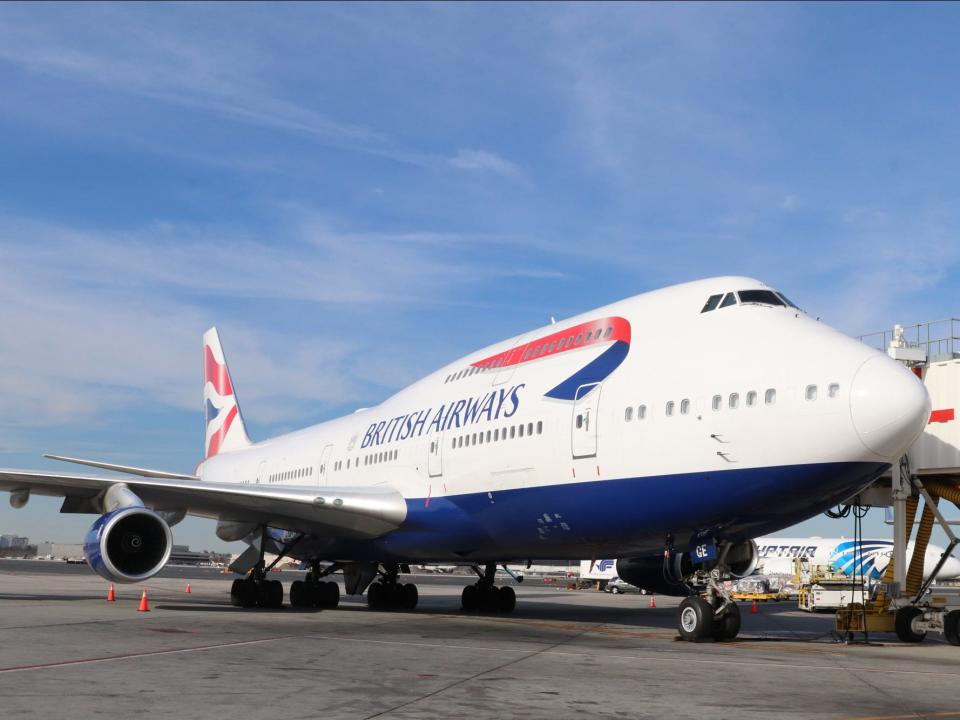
(695, 619)
(903, 624)
(951, 627)
(490, 600)
(245, 592)
(299, 597)
(507, 600)
(375, 595)
(273, 592)
(470, 598)
(409, 596)
(727, 626)
(330, 592)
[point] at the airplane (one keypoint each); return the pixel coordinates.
(666, 429)
(869, 561)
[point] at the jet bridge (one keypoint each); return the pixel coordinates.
(930, 471)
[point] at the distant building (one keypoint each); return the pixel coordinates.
(14, 542)
(183, 555)
(60, 551)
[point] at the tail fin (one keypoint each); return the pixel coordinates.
(225, 428)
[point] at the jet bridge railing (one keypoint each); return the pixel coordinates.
(940, 339)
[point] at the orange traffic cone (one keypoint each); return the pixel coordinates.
(653, 603)
(755, 608)
(188, 588)
(111, 595)
(143, 603)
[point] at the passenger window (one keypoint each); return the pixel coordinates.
(716, 402)
(684, 407)
(496, 435)
(570, 341)
(751, 398)
(453, 444)
(529, 429)
(641, 412)
(473, 440)
(520, 427)
(480, 439)
(811, 392)
(834, 390)
(770, 397)
(579, 422)
(712, 303)
(734, 401)
(729, 300)
(589, 335)
(607, 333)
(513, 431)
(670, 406)
(628, 414)
(579, 339)
(539, 427)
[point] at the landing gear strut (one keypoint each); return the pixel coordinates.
(313, 592)
(713, 615)
(486, 597)
(387, 594)
(255, 590)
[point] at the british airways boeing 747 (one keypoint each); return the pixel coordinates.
(666, 429)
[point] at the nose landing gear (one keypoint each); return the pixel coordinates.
(712, 615)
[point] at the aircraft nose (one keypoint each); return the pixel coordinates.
(889, 406)
(950, 570)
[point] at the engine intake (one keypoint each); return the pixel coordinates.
(128, 545)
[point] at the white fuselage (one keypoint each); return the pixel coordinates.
(759, 393)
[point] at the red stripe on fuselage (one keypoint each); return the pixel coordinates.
(941, 415)
(572, 338)
(216, 440)
(215, 373)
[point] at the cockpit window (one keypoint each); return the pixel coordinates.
(712, 303)
(787, 300)
(763, 297)
(730, 299)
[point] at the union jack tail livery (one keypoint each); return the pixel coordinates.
(225, 428)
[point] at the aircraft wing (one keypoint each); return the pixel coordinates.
(347, 512)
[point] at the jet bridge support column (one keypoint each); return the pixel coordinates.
(901, 491)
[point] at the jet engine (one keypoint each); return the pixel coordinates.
(657, 575)
(128, 545)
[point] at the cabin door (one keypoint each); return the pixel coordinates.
(435, 457)
(323, 469)
(583, 430)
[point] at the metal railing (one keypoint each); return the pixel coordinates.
(940, 338)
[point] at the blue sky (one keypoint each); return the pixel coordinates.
(356, 194)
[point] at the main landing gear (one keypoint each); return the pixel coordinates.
(313, 592)
(386, 593)
(486, 597)
(255, 590)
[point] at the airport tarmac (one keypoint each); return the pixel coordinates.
(66, 652)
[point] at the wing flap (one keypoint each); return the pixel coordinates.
(347, 512)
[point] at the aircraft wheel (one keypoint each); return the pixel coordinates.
(507, 600)
(615, 591)
(375, 596)
(951, 627)
(695, 619)
(243, 593)
(409, 596)
(727, 626)
(490, 599)
(270, 594)
(903, 624)
(330, 594)
(299, 594)
(470, 598)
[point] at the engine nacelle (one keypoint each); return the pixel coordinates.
(128, 545)
(742, 558)
(650, 573)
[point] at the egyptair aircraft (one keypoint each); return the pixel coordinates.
(668, 428)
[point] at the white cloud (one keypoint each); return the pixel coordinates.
(483, 161)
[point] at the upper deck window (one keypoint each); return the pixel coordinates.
(762, 297)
